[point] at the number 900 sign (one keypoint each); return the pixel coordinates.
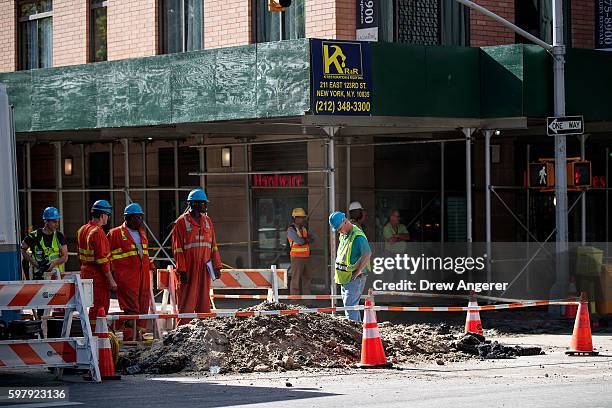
(368, 11)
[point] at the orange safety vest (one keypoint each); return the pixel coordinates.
(93, 247)
(299, 251)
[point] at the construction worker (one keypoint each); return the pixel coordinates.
(396, 234)
(352, 261)
(299, 253)
(358, 215)
(131, 266)
(94, 254)
(47, 246)
(196, 255)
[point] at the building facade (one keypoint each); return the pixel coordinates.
(256, 172)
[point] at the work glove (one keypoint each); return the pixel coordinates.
(183, 276)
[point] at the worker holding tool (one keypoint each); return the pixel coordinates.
(45, 248)
(196, 254)
(94, 254)
(131, 266)
(299, 244)
(352, 261)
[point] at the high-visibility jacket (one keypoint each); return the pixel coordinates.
(124, 252)
(52, 253)
(93, 248)
(297, 250)
(194, 244)
(344, 267)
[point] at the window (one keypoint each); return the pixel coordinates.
(35, 34)
(425, 22)
(535, 17)
(97, 44)
(182, 25)
(275, 26)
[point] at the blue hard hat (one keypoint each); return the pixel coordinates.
(102, 206)
(336, 219)
(51, 213)
(133, 208)
(197, 195)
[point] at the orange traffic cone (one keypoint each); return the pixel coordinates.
(582, 341)
(105, 353)
(472, 320)
(372, 351)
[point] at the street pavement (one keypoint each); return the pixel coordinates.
(550, 380)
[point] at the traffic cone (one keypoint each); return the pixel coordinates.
(582, 341)
(472, 319)
(105, 353)
(372, 351)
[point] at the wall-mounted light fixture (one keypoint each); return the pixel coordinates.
(226, 157)
(68, 166)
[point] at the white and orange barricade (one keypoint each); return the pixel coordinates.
(72, 294)
(271, 279)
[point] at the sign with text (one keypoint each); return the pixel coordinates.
(603, 25)
(278, 180)
(565, 125)
(367, 20)
(341, 78)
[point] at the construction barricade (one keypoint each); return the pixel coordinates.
(72, 294)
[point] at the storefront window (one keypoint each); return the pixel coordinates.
(275, 26)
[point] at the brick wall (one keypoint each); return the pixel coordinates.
(485, 31)
(8, 56)
(328, 19)
(227, 23)
(583, 24)
(131, 28)
(70, 29)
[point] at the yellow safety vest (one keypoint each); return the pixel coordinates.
(344, 268)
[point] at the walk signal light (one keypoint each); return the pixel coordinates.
(579, 174)
(541, 175)
(278, 5)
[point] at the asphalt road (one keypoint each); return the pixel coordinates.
(551, 380)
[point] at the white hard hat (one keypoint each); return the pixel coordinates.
(355, 205)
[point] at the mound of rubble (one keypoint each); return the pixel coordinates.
(289, 342)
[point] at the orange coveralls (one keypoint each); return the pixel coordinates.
(194, 245)
(94, 253)
(131, 270)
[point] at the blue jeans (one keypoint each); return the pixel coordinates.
(351, 295)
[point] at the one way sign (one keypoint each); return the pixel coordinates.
(565, 125)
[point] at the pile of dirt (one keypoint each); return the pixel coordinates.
(288, 342)
(476, 345)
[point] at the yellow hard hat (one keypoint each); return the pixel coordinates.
(298, 212)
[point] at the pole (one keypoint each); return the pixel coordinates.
(59, 181)
(176, 180)
(528, 221)
(126, 169)
(607, 194)
(558, 51)
(583, 196)
(331, 176)
(468, 182)
(29, 184)
(487, 135)
(348, 172)
(84, 193)
(247, 186)
(442, 192)
(144, 174)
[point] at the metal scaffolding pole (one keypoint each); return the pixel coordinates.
(176, 180)
(487, 135)
(144, 175)
(59, 181)
(528, 222)
(85, 211)
(583, 199)
(248, 173)
(247, 186)
(442, 192)
(112, 175)
(28, 152)
(348, 172)
(607, 194)
(126, 169)
(468, 182)
(202, 160)
(331, 192)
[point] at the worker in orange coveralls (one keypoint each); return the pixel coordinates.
(94, 253)
(196, 255)
(131, 267)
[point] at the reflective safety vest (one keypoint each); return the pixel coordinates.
(344, 267)
(123, 247)
(297, 250)
(52, 253)
(93, 246)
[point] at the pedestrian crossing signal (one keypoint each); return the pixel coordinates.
(541, 175)
(579, 174)
(278, 5)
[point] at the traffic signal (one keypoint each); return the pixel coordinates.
(579, 174)
(278, 5)
(541, 175)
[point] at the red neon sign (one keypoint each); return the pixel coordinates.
(278, 180)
